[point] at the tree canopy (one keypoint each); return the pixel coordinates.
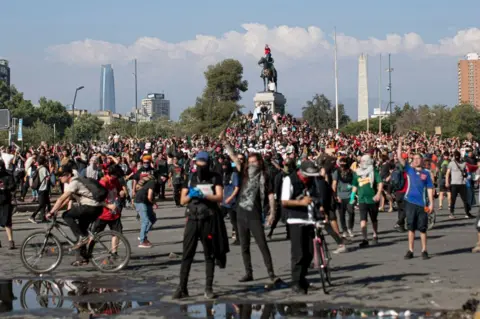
(320, 113)
(219, 99)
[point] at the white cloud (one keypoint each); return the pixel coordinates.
(288, 44)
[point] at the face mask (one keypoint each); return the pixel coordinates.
(202, 171)
(253, 170)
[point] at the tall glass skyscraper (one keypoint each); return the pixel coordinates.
(107, 89)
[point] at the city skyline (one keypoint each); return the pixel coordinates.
(107, 89)
(426, 45)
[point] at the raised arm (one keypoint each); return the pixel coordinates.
(399, 152)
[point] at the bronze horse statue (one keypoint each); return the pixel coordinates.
(269, 73)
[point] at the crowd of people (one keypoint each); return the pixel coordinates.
(261, 170)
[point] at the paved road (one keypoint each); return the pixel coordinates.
(373, 277)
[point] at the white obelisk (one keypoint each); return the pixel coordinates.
(362, 88)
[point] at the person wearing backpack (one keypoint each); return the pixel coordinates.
(41, 184)
(456, 179)
(89, 194)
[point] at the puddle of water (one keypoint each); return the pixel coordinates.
(42, 296)
(106, 298)
(292, 311)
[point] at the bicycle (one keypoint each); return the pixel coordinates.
(51, 245)
(321, 254)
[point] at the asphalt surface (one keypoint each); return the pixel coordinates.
(377, 277)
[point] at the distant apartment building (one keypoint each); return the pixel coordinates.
(78, 112)
(107, 89)
(155, 106)
(5, 73)
(469, 80)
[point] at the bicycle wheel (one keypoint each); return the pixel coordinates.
(326, 264)
(319, 262)
(48, 294)
(110, 251)
(432, 218)
(45, 245)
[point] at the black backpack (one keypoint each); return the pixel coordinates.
(397, 179)
(99, 193)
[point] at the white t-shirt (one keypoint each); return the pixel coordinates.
(8, 159)
(83, 194)
(287, 193)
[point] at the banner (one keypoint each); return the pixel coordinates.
(20, 131)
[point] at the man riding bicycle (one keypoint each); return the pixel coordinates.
(86, 213)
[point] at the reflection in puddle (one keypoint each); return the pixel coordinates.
(77, 296)
(296, 310)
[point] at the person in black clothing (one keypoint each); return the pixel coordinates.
(288, 168)
(201, 194)
(298, 193)
(7, 186)
(177, 176)
(162, 175)
(256, 192)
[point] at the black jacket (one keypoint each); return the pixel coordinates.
(7, 186)
(220, 240)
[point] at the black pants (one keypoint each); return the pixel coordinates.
(343, 208)
(301, 251)
(176, 193)
(197, 230)
(85, 215)
(462, 191)
(399, 197)
(161, 189)
(255, 227)
(25, 187)
(233, 218)
(43, 203)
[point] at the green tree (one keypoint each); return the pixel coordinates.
(87, 127)
(321, 114)
(219, 99)
(39, 132)
(53, 112)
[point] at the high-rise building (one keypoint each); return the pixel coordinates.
(4, 72)
(469, 80)
(107, 89)
(362, 88)
(156, 106)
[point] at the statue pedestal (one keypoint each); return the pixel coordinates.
(274, 101)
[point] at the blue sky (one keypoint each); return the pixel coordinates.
(49, 55)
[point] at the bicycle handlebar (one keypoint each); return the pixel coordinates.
(316, 223)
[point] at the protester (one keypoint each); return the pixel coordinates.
(7, 186)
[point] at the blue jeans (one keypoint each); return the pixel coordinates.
(147, 217)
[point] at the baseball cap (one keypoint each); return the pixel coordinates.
(202, 156)
(308, 168)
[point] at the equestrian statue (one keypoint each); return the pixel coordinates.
(269, 73)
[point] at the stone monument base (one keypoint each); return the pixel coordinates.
(273, 101)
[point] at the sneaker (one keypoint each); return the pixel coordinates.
(209, 294)
(236, 243)
(82, 241)
(341, 249)
(345, 234)
(425, 255)
(375, 241)
(469, 216)
(297, 290)
(399, 228)
(476, 249)
(180, 294)
(451, 216)
(350, 233)
(32, 220)
(409, 255)
(364, 244)
(12, 245)
(145, 244)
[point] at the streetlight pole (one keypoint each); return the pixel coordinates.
(73, 112)
(389, 88)
(136, 100)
